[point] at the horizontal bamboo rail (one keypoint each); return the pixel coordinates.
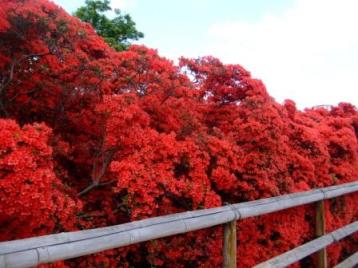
(307, 249)
(350, 262)
(44, 249)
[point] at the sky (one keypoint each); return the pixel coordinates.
(304, 50)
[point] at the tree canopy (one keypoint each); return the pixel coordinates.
(93, 137)
(118, 32)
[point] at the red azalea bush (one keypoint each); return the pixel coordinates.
(33, 200)
(91, 137)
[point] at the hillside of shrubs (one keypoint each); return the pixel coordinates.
(92, 137)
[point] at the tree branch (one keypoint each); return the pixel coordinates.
(87, 189)
(95, 185)
(6, 82)
(16, 62)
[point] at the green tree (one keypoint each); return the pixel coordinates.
(117, 31)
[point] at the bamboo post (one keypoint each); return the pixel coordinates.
(320, 231)
(229, 248)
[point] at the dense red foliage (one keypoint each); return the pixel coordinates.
(33, 200)
(91, 137)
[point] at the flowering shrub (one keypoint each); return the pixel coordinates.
(33, 199)
(92, 137)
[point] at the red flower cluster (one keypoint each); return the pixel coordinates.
(33, 200)
(91, 137)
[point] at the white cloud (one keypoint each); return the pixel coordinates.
(308, 54)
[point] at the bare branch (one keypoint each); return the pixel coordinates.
(106, 183)
(6, 82)
(87, 189)
(95, 185)
(16, 62)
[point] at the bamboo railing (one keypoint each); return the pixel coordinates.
(44, 249)
(307, 249)
(349, 262)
